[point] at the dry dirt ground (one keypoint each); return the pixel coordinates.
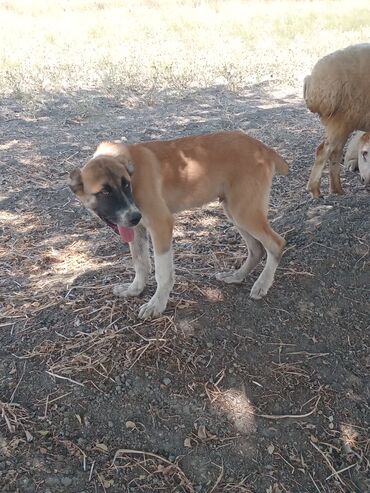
(222, 393)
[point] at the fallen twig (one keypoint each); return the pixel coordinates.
(151, 454)
(65, 378)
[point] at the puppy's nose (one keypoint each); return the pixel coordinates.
(135, 218)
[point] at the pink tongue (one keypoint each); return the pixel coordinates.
(126, 234)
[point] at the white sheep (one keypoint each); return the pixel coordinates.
(357, 156)
(338, 90)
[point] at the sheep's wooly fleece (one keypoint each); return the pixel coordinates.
(340, 83)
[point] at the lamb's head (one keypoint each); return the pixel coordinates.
(364, 158)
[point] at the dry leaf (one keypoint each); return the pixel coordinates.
(101, 446)
(187, 442)
(29, 436)
(43, 433)
(270, 449)
(107, 483)
(276, 488)
(202, 432)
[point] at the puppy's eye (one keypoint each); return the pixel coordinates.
(106, 190)
(125, 185)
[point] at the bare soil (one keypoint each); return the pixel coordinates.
(222, 393)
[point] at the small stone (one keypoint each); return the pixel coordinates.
(110, 424)
(52, 481)
(117, 380)
(167, 381)
(118, 388)
(66, 481)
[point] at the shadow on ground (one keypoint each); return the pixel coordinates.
(226, 394)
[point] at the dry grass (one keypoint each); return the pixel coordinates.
(150, 45)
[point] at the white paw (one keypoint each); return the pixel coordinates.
(126, 290)
(230, 277)
(259, 290)
(153, 308)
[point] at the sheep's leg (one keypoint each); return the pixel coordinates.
(336, 147)
(328, 151)
(313, 185)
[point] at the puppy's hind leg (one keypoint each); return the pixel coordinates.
(140, 256)
(274, 245)
(255, 254)
(256, 223)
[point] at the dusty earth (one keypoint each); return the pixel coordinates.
(222, 393)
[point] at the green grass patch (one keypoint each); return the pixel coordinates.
(140, 45)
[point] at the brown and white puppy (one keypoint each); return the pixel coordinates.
(137, 188)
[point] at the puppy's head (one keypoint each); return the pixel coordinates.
(364, 158)
(104, 186)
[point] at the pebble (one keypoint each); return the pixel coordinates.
(166, 381)
(27, 486)
(66, 481)
(52, 481)
(110, 424)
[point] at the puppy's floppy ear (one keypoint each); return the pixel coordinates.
(75, 181)
(119, 151)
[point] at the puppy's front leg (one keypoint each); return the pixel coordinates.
(140, 257)
(164, 271)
